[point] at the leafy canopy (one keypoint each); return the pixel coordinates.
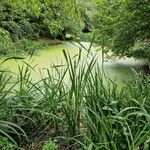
(124, 26)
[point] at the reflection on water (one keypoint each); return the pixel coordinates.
(118, 70)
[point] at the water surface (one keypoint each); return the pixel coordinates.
(117, 70)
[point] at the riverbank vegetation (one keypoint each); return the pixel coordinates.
(31, 20)
(75, 106)
(119, 26)
(85, 113)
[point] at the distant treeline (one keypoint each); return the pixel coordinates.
(37, 18)
(120, 26)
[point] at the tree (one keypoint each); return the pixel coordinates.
(48, 18)
(124, 26)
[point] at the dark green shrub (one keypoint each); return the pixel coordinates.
(49, 145)
(29, 46)
(5, 42)
(13, 28)
(27, 29)
(141, 49)
(5, 144)
(22, 29)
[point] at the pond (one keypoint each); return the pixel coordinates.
(117, 70)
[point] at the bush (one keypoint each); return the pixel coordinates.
(5, 42)
(27, 29)
(5, 144)
(26, 45)
(21, 29)
(49, 145)
(29, 46)
(141, 49)
(13, 28)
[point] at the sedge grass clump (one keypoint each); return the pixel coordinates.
(117, 119)
(8, 128)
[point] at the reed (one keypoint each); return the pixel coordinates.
(84, 111)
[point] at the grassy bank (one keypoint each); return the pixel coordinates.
(24, 47)
(86, 114)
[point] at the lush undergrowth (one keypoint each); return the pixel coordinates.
(25, 46)
(83, 113)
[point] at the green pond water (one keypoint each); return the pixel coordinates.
(118, 70)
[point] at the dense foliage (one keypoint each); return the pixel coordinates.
(74, 105)
(86, 114)
(39, 18)
(124, 26)
(5, 41)
(50, 18)
(120, 26)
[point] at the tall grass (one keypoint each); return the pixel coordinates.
(8, 128)
(78, 107)
(117, 119)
